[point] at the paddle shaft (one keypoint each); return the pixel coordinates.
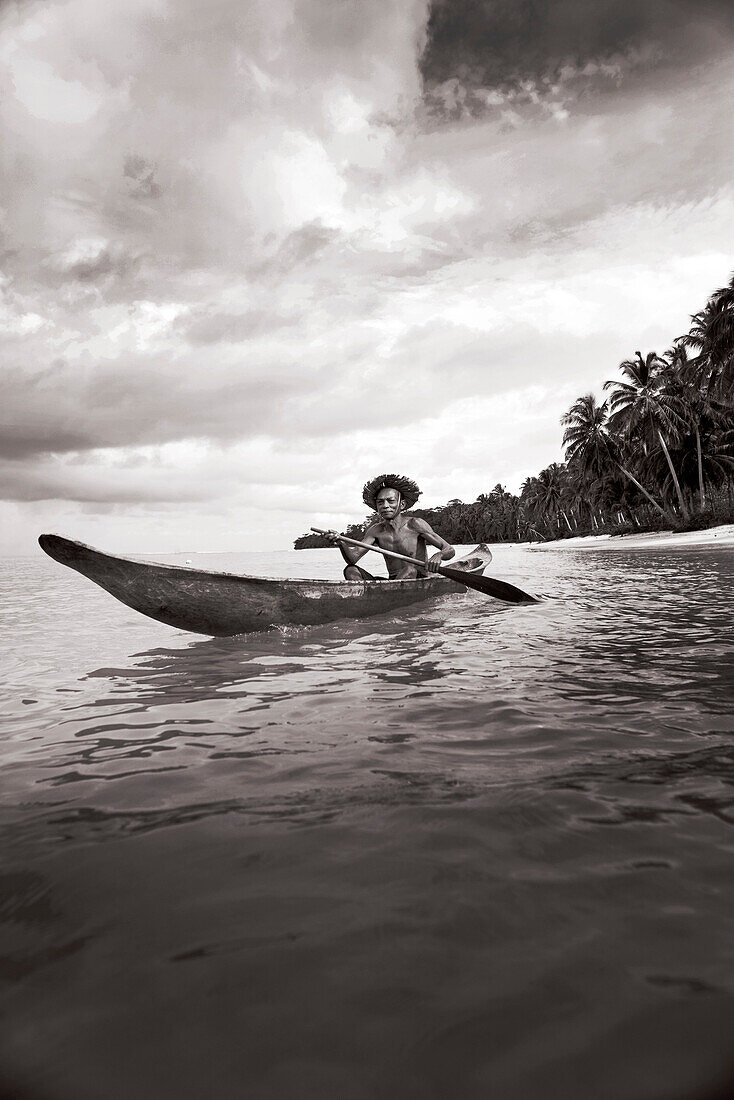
(371, 546)
(489, 586)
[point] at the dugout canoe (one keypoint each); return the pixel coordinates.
(222, 604)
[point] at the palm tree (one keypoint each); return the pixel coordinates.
(586, 438)
(643, 405)
(483, 517)
(505, 511)
(550, 491)
(457, 515)
(693, 402)
(712, 335)
(531, 503)
(591, 448)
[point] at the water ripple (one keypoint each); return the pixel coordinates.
(467, 850)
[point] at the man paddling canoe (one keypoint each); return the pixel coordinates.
(391, 495)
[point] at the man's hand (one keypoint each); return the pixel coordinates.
(333, 536)
(434, 562)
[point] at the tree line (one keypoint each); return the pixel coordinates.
(656, 453)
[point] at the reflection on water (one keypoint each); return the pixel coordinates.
(467, 850)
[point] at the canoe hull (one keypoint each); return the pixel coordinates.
(223, 604)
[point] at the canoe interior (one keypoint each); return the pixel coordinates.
(223, 604)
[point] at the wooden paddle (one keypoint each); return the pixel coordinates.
(501, 590)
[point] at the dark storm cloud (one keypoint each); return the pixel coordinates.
(25, 482)
(493, 42)
(73, 407)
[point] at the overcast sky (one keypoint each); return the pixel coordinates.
(258, 251)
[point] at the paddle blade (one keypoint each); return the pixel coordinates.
(501, 590)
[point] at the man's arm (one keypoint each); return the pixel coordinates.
(352, 554)
(426, 532)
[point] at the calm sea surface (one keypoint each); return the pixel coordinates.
(467, 850)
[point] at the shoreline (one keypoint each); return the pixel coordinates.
(651, 540)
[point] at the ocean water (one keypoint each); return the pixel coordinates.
(464, 850)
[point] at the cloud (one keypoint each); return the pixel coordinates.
(148, 400)
(517, 99)
(96, 483)
(253, 252)
(501, 42)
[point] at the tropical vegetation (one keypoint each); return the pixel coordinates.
(656, 453)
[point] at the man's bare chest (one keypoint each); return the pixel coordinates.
(402, 541)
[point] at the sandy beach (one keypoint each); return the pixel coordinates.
(664, 540)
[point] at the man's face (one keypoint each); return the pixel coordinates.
(388, 503)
